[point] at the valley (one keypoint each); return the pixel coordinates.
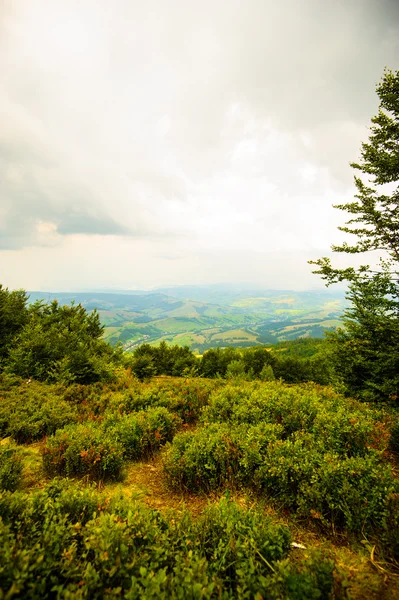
(203, 317)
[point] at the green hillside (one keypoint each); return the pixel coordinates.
(212, 316)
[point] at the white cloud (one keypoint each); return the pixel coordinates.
(180, 142)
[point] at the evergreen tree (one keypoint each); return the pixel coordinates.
(366, 349)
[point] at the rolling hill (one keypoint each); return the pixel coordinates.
(202, 317)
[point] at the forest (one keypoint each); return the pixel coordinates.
(269, 472)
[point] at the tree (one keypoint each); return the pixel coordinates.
(366, 349)
(61, 343)
(13, 317)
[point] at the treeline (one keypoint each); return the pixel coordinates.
(293, 362)
(64, 344)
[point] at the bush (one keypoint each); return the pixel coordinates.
(394, 439)
(52, 547)
(82, 450)
(32, 411)
(185, 398)
(10, 468)
(240, 545)
(353, 493)
(285, 466)
(143, 433)
(203, 460)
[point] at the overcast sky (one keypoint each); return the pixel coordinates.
(177, 141)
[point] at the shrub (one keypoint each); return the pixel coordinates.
(203, 460)
(30, 412)
(186, 397)
(79, 450)
(143, 433)
(217, 455)
(285, 466)
(353, 493)
(10, 468)
(394, 439)
(240, 544)
(133, 552)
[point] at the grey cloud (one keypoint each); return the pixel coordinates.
(83, 85)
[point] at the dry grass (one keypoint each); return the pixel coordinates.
(144, 482)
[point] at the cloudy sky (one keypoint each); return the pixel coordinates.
(177, 141)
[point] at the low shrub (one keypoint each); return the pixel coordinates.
(82, 450)
(338, 424)
(10, 468)
(394, 438)
(217, 455)
(130, 551)
(285, 466)
(32, 411)
(353, 493)
(203, 460)
(184, 397)
(143, 433)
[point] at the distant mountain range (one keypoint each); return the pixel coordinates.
(206, 316)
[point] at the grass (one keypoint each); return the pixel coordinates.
(235, 335)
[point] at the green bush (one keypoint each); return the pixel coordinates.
(10, 468)
(338, 424)
(186, 397)
(203, 460)
(285, 466)
(32, 411)
(82, 450)
(143, 433)
(394, 439)
(353, 493)
(83, 547)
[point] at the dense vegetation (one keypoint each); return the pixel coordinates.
(50, 342)
(314, 456)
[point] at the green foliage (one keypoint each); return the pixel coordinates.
(31, 411)
(215, 361)
(10, 468)
(185, 398)
(68, 542)
(143, 433)
(203, 460)
(241, 545)
(366, 350)
(306, 447)
(143, 366)
(59, 343)
(235, 370)
(267, 373)
(82, 450)
(13, 317)
(163, 360)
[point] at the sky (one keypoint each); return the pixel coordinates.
(168, 142)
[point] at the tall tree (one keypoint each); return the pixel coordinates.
(13, 317)
(366, 349)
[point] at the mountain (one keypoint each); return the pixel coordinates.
(207, 316)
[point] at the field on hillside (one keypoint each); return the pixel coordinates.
(196, 488)
(239, 319)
